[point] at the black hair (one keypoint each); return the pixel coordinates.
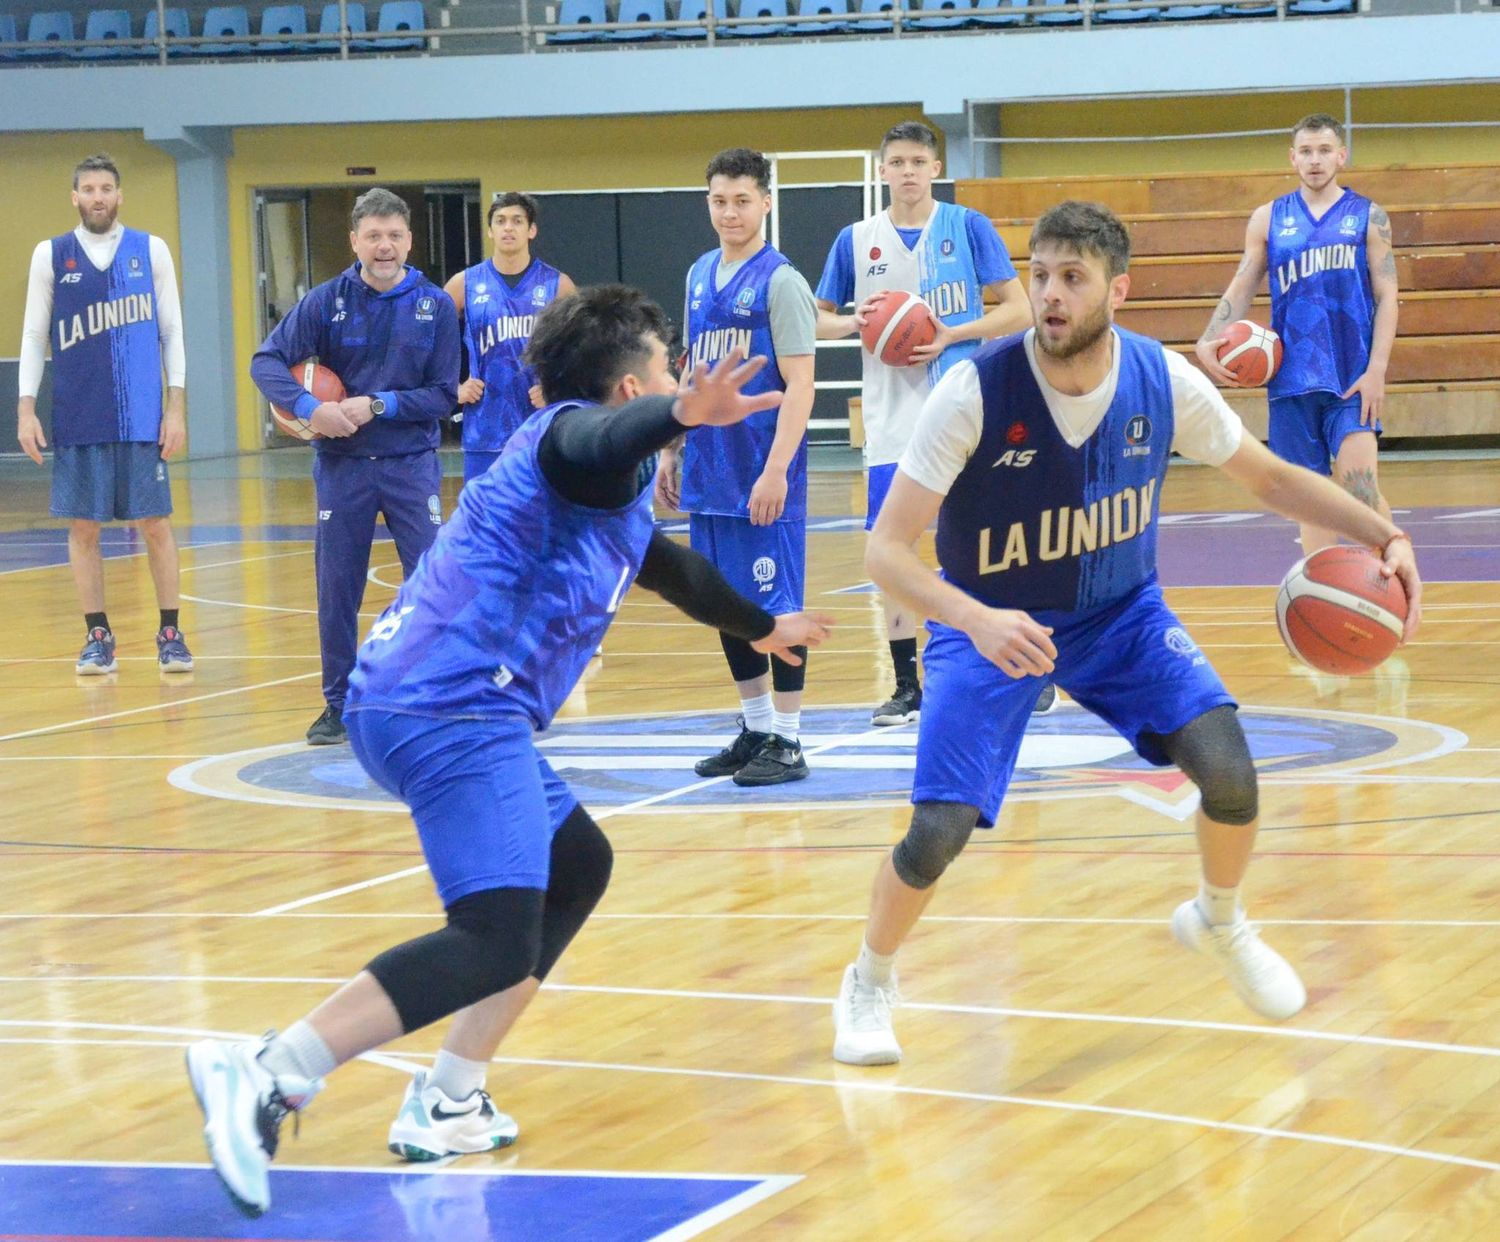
(909, 131)
(96, 163)
(512, 198)
(584, 343)
(741, 162)
(1089, 228)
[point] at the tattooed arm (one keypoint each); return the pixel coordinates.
(1235, 304)
(1382, 262)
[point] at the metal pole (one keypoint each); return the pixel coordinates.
(343, 29)
(161, 32)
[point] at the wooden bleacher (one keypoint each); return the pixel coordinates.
(1187, 232)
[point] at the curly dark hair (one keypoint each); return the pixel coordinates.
(584, 343)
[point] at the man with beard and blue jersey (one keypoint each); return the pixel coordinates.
(745, 487)
(1334, 303)
(500, 300)
(477, 652)
(1042, 460)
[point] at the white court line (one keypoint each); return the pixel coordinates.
(851, 1084)
(123, 556)
(89, 758)
(247, 560)
(150, 659)
(154, 707)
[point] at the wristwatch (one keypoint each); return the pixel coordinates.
(377, 407)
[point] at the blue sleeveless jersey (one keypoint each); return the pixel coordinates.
(721, 464)
(498, 321)
(508, 606)
(950, 282)
(1322, 306)
(1062, 529)
(106, 350)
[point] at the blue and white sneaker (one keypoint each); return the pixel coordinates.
(98, 654)
(171, 652)
(243, 1107)
(431, 1126)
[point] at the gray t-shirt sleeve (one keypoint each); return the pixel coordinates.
(794, 314)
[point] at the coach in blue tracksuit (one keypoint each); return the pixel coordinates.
(391, 335)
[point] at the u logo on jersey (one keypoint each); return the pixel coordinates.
(744, 302)
(764, 572)
(425, 308)
(1138, 436)
(539, 296)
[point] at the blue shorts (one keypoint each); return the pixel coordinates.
(762, 563)
(485, 801)
(114, 482)
(877, 484)
(1308, 429)
(477, 461)
(1131, 664)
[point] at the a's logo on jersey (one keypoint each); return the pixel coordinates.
(764, 572)
(339, 314)
(874, 253)
(539, 296)
(1019, 459)
(161, 472)
(947, 246)
(435, 510)
(324, 514)
(876, 269)
(481, 299)
(1179, 642)
(1288, 225)
(1016, 433)
(70, 278)
(1138, 436)
(425, 307)
(1349, 225)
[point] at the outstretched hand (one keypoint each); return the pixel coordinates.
(795, 629)
(714, 398)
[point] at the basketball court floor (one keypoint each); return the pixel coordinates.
(177, 862)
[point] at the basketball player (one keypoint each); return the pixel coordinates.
(391, 335)
(953, 257)
(1334, 304)
(1049, 573)
(500, 299)
(105, 297)
(480, 648)
(745, 487)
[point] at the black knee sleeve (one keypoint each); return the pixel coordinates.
(492, 941)
(581, 863)
(938, 833)
(789, 677)
(1214, 755)
(745, 662)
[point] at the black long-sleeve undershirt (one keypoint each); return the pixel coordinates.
(592, 456)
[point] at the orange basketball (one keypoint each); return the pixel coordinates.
(1251, 353)
(322, 383)
(898, 324)
(1338, 613)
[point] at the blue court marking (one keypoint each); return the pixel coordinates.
(154, 1203)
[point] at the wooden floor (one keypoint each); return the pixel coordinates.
(1070, 1073)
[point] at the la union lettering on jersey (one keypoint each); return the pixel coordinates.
(719, 343)
(949, 298)
(503, 329)
(1335, 258)
(1069, 532)
(101, 317)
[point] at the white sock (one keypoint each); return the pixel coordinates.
(758, 713)
(1219, 905)
(455, 1077)
(299, 1050)
(874, 968)
(786, 724)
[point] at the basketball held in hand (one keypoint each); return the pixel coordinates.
(322, 383)
(897, 324)
(1250, 353)
(1338, 613)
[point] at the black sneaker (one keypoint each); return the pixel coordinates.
(328, 729)
(734, 756)
(1047, 702)
(902, 707)
(777, 761)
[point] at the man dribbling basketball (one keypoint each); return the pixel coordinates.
(1334, 304)
(1049, 572)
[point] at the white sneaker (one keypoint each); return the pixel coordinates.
(1261, 976)
(243, 1107)
(862, 1022)
(431, 1126)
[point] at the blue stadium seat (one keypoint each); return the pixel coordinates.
(328, 24)
(1192, 12)
(639, 11)
(44, 28)
(761, 30)
(1127, 15)
(401, 15)
(876, 7)
(696, 10)
(177, 28)
(106, 24)
(1000, 19)
(955, 10)
(284, 19)
(232, 19)
(1320, 6)
(837, 9)
(8, 35)
(1061, 15)
(575, 12)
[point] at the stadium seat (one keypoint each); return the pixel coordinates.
(8, 35)
(639, 11)
(878, 7)
(1059, 13)
(284, 19)
(1127, 15)
(1000, 19)
(401, 15)
(231, 19)
(761, 30)
(1192, 12)
(690, 10)
(1320, 6)
(328, 24)
(576, 12)
(103, 26)
(177, 28)
(49, 27)
(956, 11)
(832, 8)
